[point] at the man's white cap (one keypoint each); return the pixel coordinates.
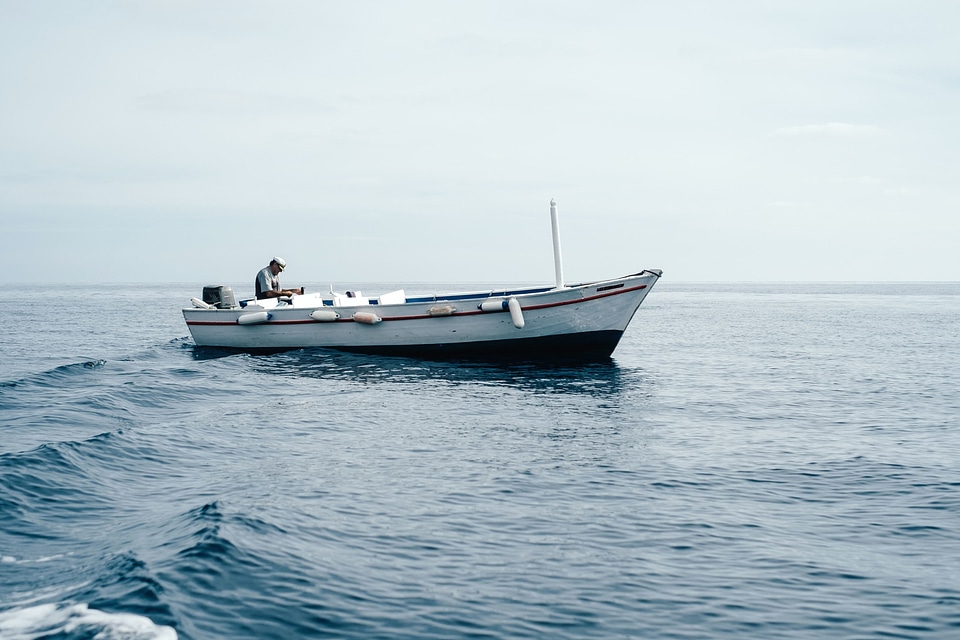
(280, 262)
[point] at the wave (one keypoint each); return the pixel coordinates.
(78, 621)
(56, 375)
(111, 596)
(46, 488)
(229, 560)
(73, 402)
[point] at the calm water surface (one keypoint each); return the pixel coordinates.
(769, 461)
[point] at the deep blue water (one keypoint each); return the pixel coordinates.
(767, 461)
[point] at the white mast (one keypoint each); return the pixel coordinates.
(557, 260)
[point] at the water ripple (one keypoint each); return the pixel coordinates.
(772, 461)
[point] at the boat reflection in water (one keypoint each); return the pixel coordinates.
(594, 378)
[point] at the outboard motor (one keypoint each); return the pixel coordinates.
(220, 297)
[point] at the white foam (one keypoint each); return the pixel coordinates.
(31, 623)
(14, 560)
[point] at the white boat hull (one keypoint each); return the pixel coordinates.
(585, 319)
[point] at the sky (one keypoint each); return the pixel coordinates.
(422, 141)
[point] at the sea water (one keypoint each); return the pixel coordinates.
(755, 460)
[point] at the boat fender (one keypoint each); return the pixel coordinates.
(200, 304)
(442, 310)
(254, 318)
(516, 314)
(493, 305)
(366, 317)
(324, 315)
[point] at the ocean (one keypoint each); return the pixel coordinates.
(777, 460)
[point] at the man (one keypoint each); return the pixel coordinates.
(268, 281)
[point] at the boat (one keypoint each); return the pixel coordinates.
(585, 320)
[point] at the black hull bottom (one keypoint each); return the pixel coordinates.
(592, 346)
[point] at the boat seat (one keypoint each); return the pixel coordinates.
(394, 297)
(344, 300)
(253, 303)
(307, 301)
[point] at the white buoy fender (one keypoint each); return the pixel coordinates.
(254, 318)
(516, 314)
(442, 310)
(366, 317)
(200, 304)
(493, 305)
(324, 315)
